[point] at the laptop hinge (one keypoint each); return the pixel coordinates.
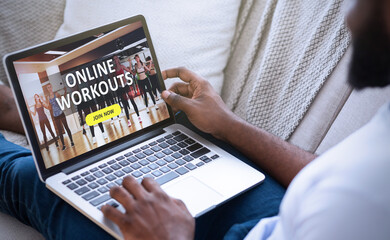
(113, 151)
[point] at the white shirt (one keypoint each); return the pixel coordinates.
(343, 194)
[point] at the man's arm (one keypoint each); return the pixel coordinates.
(206, 110)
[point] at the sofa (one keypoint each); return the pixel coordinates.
(336, 111)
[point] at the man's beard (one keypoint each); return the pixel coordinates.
(370, 63)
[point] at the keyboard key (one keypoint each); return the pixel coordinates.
(165, 169)
(182, 144)
(173, 165)
(82, 190)
(91, 195)
(120, 158)
(127, 170)
(143, 162)
(94, 169)
(136, 174)
(174, 148)
(180, 137)
(160, 140)
(168, 136)
(119, 173)
(153, 143)
(119, 181)
(66, 182)
(151, 158)
(169, 159)
(128, 154)
(84, 174)
(190, 166)
(176, 133)
(166, 178)
(75, 178)
(144, 147)
(184, 152)
(167, 151)
(111, 162)
(194, 147)
(140, 155)
(102, 165)
(188, 158)
(199, 164)
(93, 185)
(124, 163)
(156, 148)
(207, 160)
(145, 170)
(90, 178)
(72, 186)
(102, 181)
(136, 150)
(153, 166)
(98, 174)
(177, 155)
(161, 162)
(190, 141)
(135, 166)
(110, 178)
(81, 182)
(203, 158)
(159, 155)
(110, 185)
(157, 173)
(215, 156)
(182, 170)
(103, 189)
(148, 176)
(171, 142)
(180, 162)
(115, 166)
(100, 200)
(200, 152)
(132, 159)
(113, 204)
(163, 145)
(107, 170)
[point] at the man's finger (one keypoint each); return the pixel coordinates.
(134, 188)
(150, 185)
(182, 73)
(176, 101)
(113, 214)
(181, 89)
(123, 197)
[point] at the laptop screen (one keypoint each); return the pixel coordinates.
(91, 92)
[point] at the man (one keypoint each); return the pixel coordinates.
(342, 194)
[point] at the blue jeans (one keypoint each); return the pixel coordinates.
(26, 198)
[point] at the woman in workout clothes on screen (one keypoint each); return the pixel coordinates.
(59, 116)
(143, 82)
(43, 121)
(153, 77)
(123, 92)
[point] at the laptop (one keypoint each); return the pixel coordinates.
(92, 113)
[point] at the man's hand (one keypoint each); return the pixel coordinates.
(150, 212)
(197, 98)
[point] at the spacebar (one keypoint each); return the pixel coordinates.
(166, 178)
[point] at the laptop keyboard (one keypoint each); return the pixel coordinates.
(163, 160)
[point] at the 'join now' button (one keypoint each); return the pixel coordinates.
(103, 115)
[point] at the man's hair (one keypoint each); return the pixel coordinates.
(370, 63)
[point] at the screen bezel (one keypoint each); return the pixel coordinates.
(23, 112)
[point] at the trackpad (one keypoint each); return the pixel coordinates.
(197, 196)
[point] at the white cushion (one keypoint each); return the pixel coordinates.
(194, 34)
